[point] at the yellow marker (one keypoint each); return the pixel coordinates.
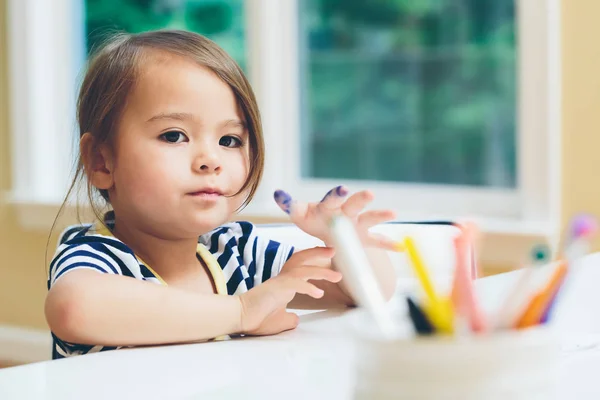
(441, 315)
(439, 310)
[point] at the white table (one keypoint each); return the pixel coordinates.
(316, 361)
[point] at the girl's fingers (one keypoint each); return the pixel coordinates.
(333, 199)
(287, 321)
(310, 272)
(294, 209)
(381, 242)
(372, 218)
(319, 256)
(356, 203)
(283, 200)
(301, 286)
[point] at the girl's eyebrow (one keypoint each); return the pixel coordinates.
(187, 117)
(174, 116)
(235, 122)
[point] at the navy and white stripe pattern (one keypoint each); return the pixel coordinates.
(245, 259)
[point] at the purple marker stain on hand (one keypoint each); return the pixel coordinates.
(284, 200)
(340, 191)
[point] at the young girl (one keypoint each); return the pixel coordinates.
(170, 138)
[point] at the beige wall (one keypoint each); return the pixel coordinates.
(22, 269)
(22, 277)
(581, 108)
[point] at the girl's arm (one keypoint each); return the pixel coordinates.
(88, 307)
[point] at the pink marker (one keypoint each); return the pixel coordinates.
(582, 229)
(463, 293)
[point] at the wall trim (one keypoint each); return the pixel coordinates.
(24, 345)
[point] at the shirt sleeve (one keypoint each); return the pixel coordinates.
(88, 254)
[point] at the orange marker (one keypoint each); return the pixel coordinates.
(538, 304)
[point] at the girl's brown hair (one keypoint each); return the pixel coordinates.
(112, 74)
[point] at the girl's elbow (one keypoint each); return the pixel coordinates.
(65, 315)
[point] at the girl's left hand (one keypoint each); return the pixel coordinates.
(313, 218)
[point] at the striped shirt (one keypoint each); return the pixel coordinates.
(236, 257)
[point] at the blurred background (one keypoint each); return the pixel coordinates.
(392, 90)
(487, 109)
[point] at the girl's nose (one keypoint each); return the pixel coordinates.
(207, 161)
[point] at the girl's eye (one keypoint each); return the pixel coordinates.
(173, 137)
(230, 141)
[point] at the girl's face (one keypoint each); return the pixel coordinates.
(180, 153)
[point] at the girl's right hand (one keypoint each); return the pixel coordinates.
(264, 306)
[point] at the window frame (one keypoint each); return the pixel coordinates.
(532, 206)
(42, 35)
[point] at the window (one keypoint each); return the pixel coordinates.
(438, 106)
(444, 109)
(420, 92)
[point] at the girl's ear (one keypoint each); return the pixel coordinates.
(97, 162)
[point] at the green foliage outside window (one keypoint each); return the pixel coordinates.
(220, 20)
(413, 91)
(393, 90)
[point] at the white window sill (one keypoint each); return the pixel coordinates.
(39, 215)
(488, 225)
(506, 241)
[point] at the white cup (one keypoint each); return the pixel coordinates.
(504, 365)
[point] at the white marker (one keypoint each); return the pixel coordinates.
(353, 263)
